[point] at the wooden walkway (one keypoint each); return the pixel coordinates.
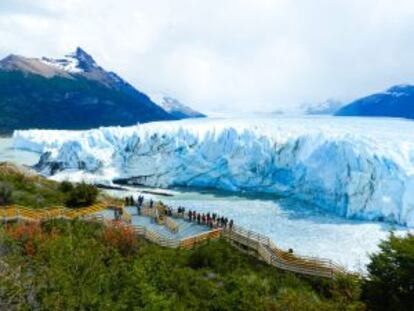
(255, 244)
(263, 248)
(17, 212)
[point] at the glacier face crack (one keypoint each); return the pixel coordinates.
(346, 167)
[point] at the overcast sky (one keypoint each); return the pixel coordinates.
(230, 55)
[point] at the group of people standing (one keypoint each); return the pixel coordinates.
(212, 220)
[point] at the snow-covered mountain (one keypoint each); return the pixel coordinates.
(397, 101)
(328, 107)
(73, 92)
(76, 62)
(174, 107)
(352, 167)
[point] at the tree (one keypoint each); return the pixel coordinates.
(390, 283)
(65, 186)
(82, 195)
(6, 191)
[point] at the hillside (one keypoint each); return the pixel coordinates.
(24, 187)
(84, 266)
(69, 93)
(397, 101)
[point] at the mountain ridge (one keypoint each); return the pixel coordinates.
(73, 92)
(397, 101)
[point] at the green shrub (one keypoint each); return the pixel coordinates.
(82, 195)
(65, 186)
(390, 282)
(5, 193)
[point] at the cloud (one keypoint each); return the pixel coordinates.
(231, 55)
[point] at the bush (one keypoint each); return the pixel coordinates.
(5, 193)
(65, 186)
(390, 283)
(82, 195)
(122, 238)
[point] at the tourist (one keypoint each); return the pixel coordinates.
(140, 200)
(190, 214)
(231, 224)
(151, 203)
(116, 216)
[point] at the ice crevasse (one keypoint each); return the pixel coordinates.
(354, 167)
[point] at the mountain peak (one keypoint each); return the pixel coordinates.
(76, 62)
(85, 60)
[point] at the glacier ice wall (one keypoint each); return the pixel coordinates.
(354, 167)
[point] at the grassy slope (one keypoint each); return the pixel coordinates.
(29, 189)
(32, 190)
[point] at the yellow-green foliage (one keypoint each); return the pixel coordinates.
(81, 266)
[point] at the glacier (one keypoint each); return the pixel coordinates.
(361, 168)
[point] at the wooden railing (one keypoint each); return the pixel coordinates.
(170, 224)
(191, 241)
(15, 212)
(147, 211)
(266, 250)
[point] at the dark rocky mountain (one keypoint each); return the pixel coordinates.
(69, 93)
(397, 101)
